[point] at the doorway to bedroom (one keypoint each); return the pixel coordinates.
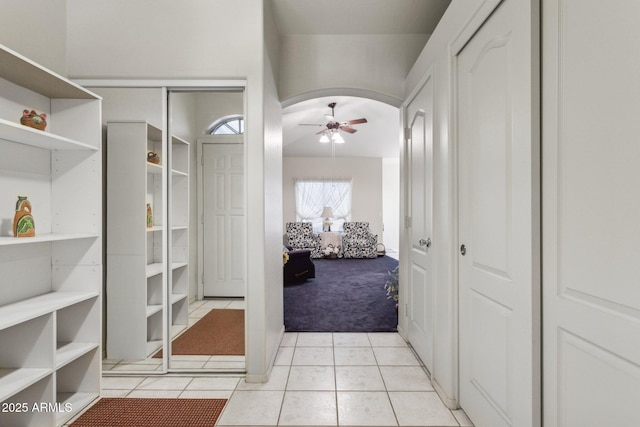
(341, 204)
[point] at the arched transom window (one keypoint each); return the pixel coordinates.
(229, 125)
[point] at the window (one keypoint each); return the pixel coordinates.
(312, 195)
(229, 125)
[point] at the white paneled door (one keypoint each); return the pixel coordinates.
(498, 181)
(591, 213)
(419, 159)
(224, 234)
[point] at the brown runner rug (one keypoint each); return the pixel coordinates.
(127, 412)
(219, 333)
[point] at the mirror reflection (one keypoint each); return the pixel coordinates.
(175, 277)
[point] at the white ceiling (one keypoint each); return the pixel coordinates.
(380, 136)
(358, 16)
(377, 138)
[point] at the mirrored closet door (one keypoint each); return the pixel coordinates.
(161, 315)
(214, 339)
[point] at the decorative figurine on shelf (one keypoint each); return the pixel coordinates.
(33, 119)
(153, 158)
(149, 216)
(23, 225)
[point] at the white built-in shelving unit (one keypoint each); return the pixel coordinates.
(179, 236)
(50, 293)
(136, 254)
(147, 267)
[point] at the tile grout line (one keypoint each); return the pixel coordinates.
(286, 384)
(335, 379)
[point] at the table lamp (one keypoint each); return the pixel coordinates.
(327, 213)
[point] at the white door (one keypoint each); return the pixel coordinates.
(591, 213)
(419, 145)
(498, 158)
(224, 220)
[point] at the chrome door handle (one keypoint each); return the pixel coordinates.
(423, 242)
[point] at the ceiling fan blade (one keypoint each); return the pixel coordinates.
(348, 129)
(322, 131)
(356, 121)
(310, 124)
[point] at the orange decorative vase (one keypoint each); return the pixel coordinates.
(23, 224)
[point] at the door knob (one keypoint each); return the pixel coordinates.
(463, 250)
(423, 242)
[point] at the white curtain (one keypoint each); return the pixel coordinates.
(312, 195)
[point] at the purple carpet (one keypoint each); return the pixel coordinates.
(347, 295)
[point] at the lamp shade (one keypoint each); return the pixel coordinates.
(337, 138)
(327, 212)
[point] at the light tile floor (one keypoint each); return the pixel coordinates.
(319, 379)
(197, 310)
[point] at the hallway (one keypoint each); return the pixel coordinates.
(326, 379)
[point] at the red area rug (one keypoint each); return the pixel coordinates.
(219, 332)
(126, 412)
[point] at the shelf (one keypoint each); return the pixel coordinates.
(155, 228)
(30, 75)
(19, 312)
(20, 134)
(41, 327)
(69, 351)
(179, 173)
(77, 401)
(177, 330)
(13, 381)
(154, 269)
(179, 227)
(153, 309)
(43, 238)
(177, 265)
(152, 168)
(177, 298)
(153, 346)
(179, 141)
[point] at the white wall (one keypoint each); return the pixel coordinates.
(391, 203)
(126, 104)
(373, 63)
(210, 108)
(183, 114)
(366, 173)
(273, 298)
(164, 38)
(192, 39)
(37, 30)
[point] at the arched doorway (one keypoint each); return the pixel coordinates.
(369, 160)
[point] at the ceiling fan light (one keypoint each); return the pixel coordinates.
(337, 138)
(324, 138)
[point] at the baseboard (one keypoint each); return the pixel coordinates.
(448, 402)
(265, 377)
(401, 332)
(257, 378)
(275, 353)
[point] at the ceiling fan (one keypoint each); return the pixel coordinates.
(332, 128)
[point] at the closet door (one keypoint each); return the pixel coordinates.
(419, 157)
(499, 194)
(591, 100)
